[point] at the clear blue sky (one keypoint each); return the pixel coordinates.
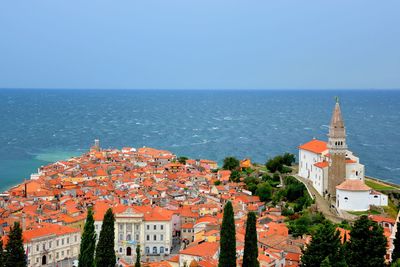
(186, 44)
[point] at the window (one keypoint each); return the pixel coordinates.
(147, 250)
(375, 196)
(166, 249)
(137, 237)
(137, 227)
(154, 237)
(121, 227)
(161, 250)
(67, 251)
(128, 237)
(44, 246)
(155, 227)
(346, 198)
(147, 237)
(76, 238)
(148, 227)
(154, 250)
(162, 227)
(37, 247)
(57, 255)
(67, 240)
(62, 241)
(161, 237)
(62, 253)
(120, 250)
(128, 251)
(121, 237)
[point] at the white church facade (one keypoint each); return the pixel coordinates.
(335, 172)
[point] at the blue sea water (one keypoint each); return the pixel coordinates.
(42, 126)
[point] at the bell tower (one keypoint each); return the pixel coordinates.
(337, 149)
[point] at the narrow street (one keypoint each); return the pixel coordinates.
(322, 204)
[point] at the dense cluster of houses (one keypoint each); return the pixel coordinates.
(173, 210)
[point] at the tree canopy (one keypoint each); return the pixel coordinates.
(231, 163)
(227, 256)
(250, 242)
(105, 254)
(367, 244)
(14, 255)
(325, 248)
(88, 242)
(396, 243)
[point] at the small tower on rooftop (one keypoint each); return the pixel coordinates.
(337, 149)
(96, 146)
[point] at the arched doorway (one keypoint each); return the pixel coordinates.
(128, 251)
(44, 260)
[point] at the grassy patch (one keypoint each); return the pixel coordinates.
(367, 212)
(379, 186)
(391, 209)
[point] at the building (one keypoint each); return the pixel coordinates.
(147, 226)
(51, 244)
(335, 172)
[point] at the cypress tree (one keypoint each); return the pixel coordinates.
(367, 244)
(1, 252)
(396, 243)
(326, 263)
(88, 242)
(137, 263)
(325, 244)
(105, 255)
(227, 256)
(250, 242)
(14, 255)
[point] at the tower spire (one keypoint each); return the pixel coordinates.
(337, 124)
(337, 149)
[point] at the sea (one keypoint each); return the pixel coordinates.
(38, 127)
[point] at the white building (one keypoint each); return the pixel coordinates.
(335, 172)
(51, 244)
(152, 228)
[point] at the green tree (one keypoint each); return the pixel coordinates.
(227, 256)
(231, 163)
(264, 191)
(275, 164)
(1, 252)
(325, 243)
(326, 263)
(137, 263)
(88, 242)
(396, 243)
(235, 176)
(288, 159)
(14, 255)
(105, 255)
(367, 244)
(218, 182)
(250, 242)
(182, 160)
(395, 263)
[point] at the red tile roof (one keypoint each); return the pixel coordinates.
(353, 185)
(315, 146)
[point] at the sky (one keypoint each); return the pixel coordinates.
(200, 44)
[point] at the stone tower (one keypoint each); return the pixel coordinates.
(337, 149)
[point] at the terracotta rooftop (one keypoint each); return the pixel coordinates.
(353, 185)
(315, 146)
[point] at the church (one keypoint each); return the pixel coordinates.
(335, 172)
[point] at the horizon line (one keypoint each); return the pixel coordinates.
(204, 89)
